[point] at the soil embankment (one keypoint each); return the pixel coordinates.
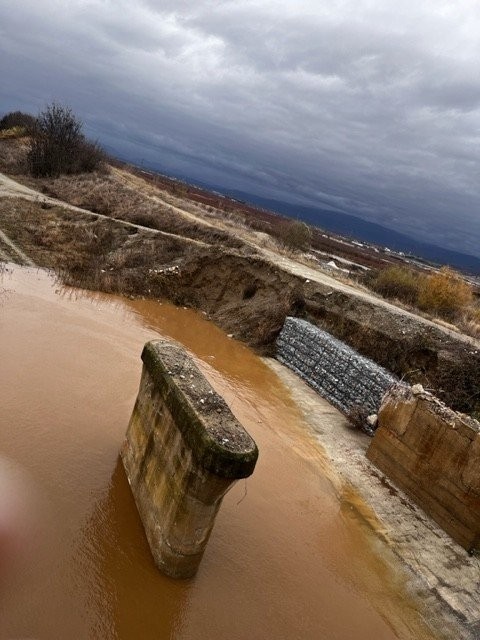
(245, 287)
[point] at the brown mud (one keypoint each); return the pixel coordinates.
(286, 559)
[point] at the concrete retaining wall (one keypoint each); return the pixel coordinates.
(433, 454)
(183, 451)
(336, 371)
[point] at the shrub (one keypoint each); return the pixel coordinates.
(14, 119)
(397, 282)
(445, 293)
(58, 145)
(295, 234)
(470, 321)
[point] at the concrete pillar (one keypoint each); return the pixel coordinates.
(184, 449)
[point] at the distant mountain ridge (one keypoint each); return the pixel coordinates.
(349, 225)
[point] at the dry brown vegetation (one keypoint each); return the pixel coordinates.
(242, 293)
(397, 283)
(104, 192)
(13, 133)
(470, 320)
(13, 154)
(91, 252)
(444, 293)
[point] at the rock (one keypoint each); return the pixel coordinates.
(417, 389)
(372, 420)
(332, 368)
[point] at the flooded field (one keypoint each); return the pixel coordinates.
(287, 559)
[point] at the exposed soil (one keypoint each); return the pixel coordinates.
(244, 289)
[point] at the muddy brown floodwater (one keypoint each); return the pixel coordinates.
(286, 559)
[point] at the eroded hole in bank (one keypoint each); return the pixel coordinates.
(250, 291)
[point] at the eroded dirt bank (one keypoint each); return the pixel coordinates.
(244, 289)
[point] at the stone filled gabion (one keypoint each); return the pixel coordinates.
(339, 374)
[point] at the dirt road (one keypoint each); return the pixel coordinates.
(11, 189)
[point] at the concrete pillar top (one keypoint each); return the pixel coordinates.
(217, 440)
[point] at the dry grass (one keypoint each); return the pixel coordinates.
(13, 133)
(105, 193)
(244, 295)
(93, 253)
(13, 154)
(443, 294)
(470, 321)
(397, 283)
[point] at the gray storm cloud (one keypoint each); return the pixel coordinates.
(372, 108)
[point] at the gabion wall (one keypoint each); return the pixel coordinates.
(337, 372)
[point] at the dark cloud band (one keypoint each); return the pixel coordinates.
(363, 107)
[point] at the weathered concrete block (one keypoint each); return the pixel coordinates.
(433, 454)
(183, 451)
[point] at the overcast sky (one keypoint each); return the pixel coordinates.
(367, 106)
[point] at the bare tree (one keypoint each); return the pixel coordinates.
(58, 145)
